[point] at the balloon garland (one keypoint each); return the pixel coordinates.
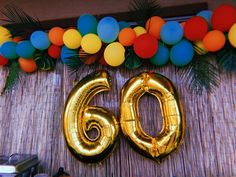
(157, 43)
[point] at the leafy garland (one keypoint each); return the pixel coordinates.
(226, 58)
(201, 74)
(13, 76)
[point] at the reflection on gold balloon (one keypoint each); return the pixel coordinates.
(79, 118)
(172, 133)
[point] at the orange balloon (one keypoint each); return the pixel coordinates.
(154, 25)
(56, 36)
(214, 40)
(27, 65)
(127, 36)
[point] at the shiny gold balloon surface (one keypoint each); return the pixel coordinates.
(79, 118)
(173, 129)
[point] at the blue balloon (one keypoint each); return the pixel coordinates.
(171, 32)
(108, 29)
(87, 23)
(162, 55)
(67, 53)
(25, 49)
(40, 40)
(182, 53)
(8, 50)
(123, 24)
(206, 14)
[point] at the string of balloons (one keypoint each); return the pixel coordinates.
(158, 42)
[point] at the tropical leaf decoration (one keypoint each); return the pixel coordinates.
(132, 61)
(142, 10)
(226, 58)
(200, 75)
(73, 63)
(44, 61)
(13, 76)
(91, 58)
(19, 22)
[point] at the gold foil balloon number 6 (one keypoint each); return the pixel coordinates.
(79, 118)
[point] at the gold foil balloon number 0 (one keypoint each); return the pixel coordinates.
(79, 118)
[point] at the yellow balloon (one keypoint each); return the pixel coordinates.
(114, 54)
(199, 48)
(91, 43)
(232, 35)
(139, 30)
(173, 128)
(72, 39)
(79, 118)
(5, 35)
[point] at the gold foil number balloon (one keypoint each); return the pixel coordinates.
(79, 118)
(172, 133)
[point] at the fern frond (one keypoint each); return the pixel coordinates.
(200, 75)
(144, 9)
(13, 77)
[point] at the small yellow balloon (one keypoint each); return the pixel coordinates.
(72, 39)
(91, 43)
(232, 35)
(199, 48)
(114, 54)
(5, 35)
(139, 30)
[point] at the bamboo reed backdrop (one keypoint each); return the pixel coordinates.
(31, 122)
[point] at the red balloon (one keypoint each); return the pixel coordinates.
(195, 28)
(145, 46)
(223, 17)
(3, 61)
(54, 51)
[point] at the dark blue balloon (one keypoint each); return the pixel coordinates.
(123, 24)
(8, 50)
(162, 55)
(40, 40)
(25, 49)
(108, 29)
(171, 32)
(206, 14)
(86, 24)
(182, 53)
(67, 53)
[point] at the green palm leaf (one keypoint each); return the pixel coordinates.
(73, 63)
(132, 61)
(19, 22)
(142, 10)
(200, 75)
(226, 58)
(13, 76)
(44, 61)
